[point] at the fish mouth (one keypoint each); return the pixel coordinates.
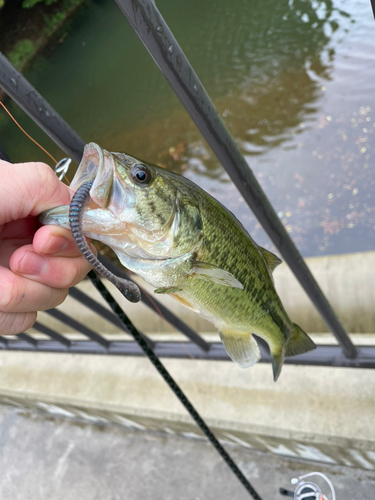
(97, 166)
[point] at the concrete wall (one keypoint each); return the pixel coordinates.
(348, 281)
(314, 413)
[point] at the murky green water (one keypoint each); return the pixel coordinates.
(294, 82)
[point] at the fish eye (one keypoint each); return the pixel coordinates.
(140, 174)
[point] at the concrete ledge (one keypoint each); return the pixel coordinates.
(314, 413)
(321, 414)
(347, 281)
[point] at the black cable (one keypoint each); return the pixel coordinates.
(172, 384)
(77, 206)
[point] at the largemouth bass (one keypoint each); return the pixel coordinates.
(183, 242)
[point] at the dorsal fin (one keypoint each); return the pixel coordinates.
(271, 259)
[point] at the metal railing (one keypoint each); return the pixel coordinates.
(160, 42)
(150, 26)
(195, 347)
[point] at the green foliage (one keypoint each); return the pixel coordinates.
(36, 36)
(28, 4)
(22, 50)
(52, 22)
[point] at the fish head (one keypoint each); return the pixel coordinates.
(135, 207)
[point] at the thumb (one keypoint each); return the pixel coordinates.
(28, 189)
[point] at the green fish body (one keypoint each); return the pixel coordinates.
(183, 242)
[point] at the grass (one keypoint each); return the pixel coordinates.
(26, 48)
(22, 51)
(53, 22)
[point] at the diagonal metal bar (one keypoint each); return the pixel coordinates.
(4, 340)
(102, 311)
(51, 333)
(148, 23)
(34, 105)
(161, 310)
(28, 339)
(79, 327)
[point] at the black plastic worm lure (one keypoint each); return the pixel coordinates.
(129, 289)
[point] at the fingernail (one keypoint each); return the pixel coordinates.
(32, 264)
(55, 244)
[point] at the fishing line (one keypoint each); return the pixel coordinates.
(172, 384)
(31, 139)
(80, 198)
(27, 135)
(131, 291)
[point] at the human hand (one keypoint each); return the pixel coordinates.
(37, 266)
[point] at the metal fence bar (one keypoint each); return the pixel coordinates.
(51, 333)
(323, 355)
(158, 39)
(79, 327)
(34, 105)
(102, 311)
(96, 307)
(28, 339)
(161, 310)
(3, 341)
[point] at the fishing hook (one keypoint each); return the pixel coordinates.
(62, 167)
(80, 198)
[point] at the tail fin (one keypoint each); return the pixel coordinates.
(299, 342)
(277, 363)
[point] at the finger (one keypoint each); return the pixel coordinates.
(19, 229)
(30, 189)
(13, 323)
(56, 272)
(15, 235)
(54, 240)
(19, 294)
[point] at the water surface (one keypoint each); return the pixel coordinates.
(293, 81)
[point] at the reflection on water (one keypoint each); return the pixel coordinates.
(293, 81)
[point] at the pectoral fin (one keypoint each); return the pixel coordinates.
(242, 348)
(214, 274)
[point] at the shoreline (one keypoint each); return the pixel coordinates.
(22, 55)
